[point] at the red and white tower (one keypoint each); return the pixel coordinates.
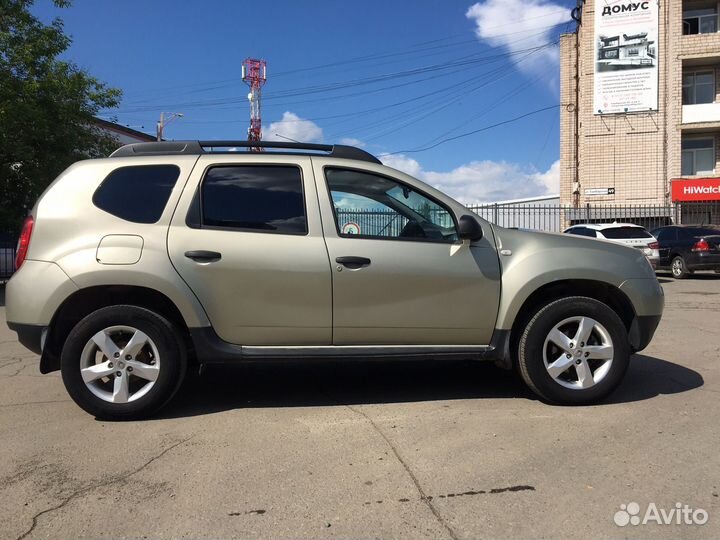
(254, 73)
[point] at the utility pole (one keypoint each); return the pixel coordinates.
(164, 121)
(254, 73)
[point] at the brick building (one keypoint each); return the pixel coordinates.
(662, 148)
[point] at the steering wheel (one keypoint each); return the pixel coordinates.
(412, 229)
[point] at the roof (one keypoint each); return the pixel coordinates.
(232, 147)
(112, 126)
(603, 226)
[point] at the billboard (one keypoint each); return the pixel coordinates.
(626, 56)
(696, 189)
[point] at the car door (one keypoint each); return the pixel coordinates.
(246, 237)
(400, 274)
(667, 238)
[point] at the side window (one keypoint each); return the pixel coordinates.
(253, 198)
(137, 193)
(373, 206)
(582, 231)
(666, 235)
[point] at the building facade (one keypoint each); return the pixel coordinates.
(640, 108)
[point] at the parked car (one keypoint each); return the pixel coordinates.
(685, 249)
(622, 233)
(199, 255)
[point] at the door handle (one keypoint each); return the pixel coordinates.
(353, 262)
(203, 256)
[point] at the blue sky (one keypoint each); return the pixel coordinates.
(389, 75)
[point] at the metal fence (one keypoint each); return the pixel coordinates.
(7, 259)
(550, 218)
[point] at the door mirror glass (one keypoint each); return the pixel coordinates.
(469, 228)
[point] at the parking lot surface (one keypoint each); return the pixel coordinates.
(374, 450)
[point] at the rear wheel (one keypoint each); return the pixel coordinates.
(678, 268)
(123, 362)
(574, 351)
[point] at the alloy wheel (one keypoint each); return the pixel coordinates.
(578, 353)
(120, 364)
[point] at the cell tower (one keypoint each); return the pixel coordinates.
(254, 73)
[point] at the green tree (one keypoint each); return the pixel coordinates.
(46, 109)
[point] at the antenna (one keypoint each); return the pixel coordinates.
(254, 74)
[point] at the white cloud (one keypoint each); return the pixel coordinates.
(352, 142)
(484, 181)
(521, 24)
(295, 128)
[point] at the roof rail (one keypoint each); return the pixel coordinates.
(203, 147)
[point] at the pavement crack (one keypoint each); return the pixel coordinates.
(21, 404)
(118, 479)
(423, 496)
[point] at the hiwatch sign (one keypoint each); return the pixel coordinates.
(626, 56)
(696, 189)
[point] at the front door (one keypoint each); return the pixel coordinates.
(400, 274)
(247, 239)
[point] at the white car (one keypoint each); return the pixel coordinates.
(622, 233)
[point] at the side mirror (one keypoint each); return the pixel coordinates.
(469, 228)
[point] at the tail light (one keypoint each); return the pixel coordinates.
(701, 245)
(24, 242)
(654, 245)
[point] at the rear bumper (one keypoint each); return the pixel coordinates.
(703, 261)
(30, 336)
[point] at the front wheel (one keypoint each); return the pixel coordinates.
(122, 362)
(574, 351)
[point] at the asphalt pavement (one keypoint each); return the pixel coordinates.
(454, 450)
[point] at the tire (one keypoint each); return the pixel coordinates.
(575, 374)
(679, 268)
(119, 388)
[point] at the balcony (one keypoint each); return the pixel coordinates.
(703, 112)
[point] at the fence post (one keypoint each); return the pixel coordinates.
(587, 212)
(495, 213)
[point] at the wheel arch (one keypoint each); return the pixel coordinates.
(84, 301)
(601, 291)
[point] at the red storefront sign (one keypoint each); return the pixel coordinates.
(696, 189)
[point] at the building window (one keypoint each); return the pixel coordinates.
(698, 87)
(698, 156)
(700, 21)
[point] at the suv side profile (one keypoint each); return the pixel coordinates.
(136, 267)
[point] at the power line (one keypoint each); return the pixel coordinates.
(462, 135)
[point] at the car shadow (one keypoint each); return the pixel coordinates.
(307, 384)
(699, 276)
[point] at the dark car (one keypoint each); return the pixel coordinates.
(687, 248)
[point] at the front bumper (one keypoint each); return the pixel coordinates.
(642, 331)
(648, 301)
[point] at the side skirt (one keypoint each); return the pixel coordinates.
(210, 349)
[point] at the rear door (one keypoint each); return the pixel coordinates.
(246, 237)
(400, 274)
(667, 238)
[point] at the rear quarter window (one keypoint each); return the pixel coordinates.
(137, 193)
(621, 233)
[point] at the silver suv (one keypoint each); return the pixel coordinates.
(165, 256)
